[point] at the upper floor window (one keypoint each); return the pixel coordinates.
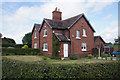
(35, 45)
(45, 47)
(35, 36)
(84, 33)
(83, 46)
(45, 33)
(77, 34)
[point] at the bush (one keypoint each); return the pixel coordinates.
(111, 57)
(73, 56)
(19, 45)
(57, 58)
(90, 56)
(16, 69)
(25, 46)
(118, 57)
(20, 51)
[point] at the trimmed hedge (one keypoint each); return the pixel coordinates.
(19, 51)
(43, 69)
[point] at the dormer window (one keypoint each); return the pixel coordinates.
(45, 33)
(35, 36)
(84, 33)
(77, 34)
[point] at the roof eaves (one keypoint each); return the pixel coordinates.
(48, 24)
(88, 22)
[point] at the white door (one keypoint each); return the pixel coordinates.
(65, 50)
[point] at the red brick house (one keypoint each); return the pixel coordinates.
(75, 35)
(35, 36)
(98, 42)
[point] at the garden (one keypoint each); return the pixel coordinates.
(30, 63)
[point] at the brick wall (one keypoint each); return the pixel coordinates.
(47, 39)
(76, 43)
(35, 40)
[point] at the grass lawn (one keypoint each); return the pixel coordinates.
(33, 59)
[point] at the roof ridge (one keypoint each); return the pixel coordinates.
(72, 17)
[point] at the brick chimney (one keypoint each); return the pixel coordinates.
(56, 14)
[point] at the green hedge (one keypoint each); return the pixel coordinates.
(17, 69)
(20, 51)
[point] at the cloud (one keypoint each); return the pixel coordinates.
(20, 22)
(108, 17)
(111, 32)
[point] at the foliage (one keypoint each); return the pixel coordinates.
(27, 39)
(8, 42)
(25, 46)
(17, 69)
(19, 51)
(19, 45)
(73, 56)
(90, 56)
(57, 58)
(104, 55)
(44, 57)
(111, 57)
(56, 46)
(118, 57)
(0, 35)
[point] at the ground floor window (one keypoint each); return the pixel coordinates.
(45, 47)
(35, 45)
(83, 46)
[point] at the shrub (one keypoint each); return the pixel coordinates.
(16, 69)
(111, 57)
(118, 57)
(25, 46)
(20, 51)
(90, 56)
(44, 58)
(73, 56)
(19, 45)
(57, 58)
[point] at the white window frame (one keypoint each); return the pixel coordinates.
(45, 33)
(78, 34)
(84, 47)
(35, 35)
(45, 47)
(84, 33)
(35, 45)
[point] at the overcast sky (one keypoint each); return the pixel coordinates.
(19, 16)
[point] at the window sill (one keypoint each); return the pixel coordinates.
(84, 36)
(78, 38)
(84, 50)
(45, 36)
(35, 37)
(45, 49)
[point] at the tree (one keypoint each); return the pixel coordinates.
(0, 35)
(8, 42)
(27, 39)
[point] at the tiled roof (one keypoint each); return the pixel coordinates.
(97, 37)
(61, 37)
(37, 26)
(64, 24)
(67, 23)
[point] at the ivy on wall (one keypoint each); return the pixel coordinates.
(56, 46)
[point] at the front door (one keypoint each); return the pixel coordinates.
(65, 50)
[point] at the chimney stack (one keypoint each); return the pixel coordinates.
(56, 14)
